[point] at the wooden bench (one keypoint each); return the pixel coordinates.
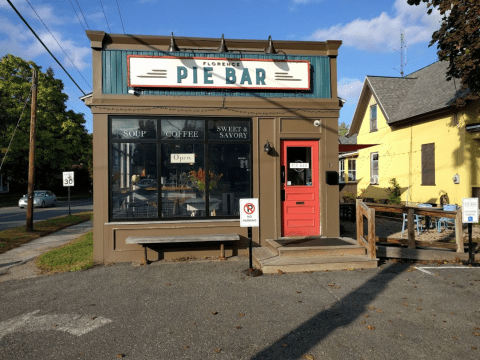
(145, 241)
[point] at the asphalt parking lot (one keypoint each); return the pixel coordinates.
(210, 310)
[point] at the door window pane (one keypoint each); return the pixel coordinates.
(183, 186)
(134, 129)
(133, 180)
(229, 177)
(299, 164)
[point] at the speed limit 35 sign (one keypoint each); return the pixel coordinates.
(68, 178)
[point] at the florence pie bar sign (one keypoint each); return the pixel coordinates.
(217, 73)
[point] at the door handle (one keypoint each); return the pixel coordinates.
(300, 203)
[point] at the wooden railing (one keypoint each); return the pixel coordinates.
(369, 243)
(368, 210)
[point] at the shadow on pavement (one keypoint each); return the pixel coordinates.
(342, 313)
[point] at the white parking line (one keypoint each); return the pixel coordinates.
(422, 269)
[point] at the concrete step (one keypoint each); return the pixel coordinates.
(315, 247)
(260, 254)
(316, 263)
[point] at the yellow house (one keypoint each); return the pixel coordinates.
(423, 141)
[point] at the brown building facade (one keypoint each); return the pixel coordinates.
(182, 134)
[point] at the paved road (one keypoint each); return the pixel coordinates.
(209, 310)
(13, 216)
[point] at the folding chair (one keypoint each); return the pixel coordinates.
(446, 221)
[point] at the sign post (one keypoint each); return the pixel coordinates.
(470, 216)
(249, 218)
(68, 180)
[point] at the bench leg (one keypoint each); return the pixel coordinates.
(222, 251)
(145, 259)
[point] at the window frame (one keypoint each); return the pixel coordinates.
(371, 169)
(373, 120)
(350, 171)
(341, 171)
(159, 141)
(428, 178)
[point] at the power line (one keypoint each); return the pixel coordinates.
(45, 46)
(68, 57)
(88, 27)
(105, 16)
(78, 17)
(120, 17)
(18, 123)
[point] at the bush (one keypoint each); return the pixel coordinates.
(394, 192)
(349, 197)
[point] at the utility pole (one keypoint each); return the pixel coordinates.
(31, 157)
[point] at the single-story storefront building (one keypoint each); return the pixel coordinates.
(186, 127)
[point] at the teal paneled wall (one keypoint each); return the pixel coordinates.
(114, 63)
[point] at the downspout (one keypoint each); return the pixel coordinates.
(410, 165)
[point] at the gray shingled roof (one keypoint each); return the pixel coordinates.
(352, 140)
(421, 92)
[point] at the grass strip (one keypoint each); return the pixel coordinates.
(13, 238)
(76, 255)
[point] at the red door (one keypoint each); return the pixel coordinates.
(300, 188)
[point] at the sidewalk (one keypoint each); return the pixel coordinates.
(26, 252)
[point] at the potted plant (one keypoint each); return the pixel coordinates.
(198, 181)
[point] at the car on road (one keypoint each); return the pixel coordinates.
(40, 198)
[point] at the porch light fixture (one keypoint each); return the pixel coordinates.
(270, 49)
(173, 44)
(267, 148)
(222, 48)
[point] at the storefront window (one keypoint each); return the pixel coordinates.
(229, 177)
(133, 181)
(204, 168)
(181, 195)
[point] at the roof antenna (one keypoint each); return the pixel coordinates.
(403, 53)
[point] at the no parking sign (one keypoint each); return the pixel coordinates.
(249, 213)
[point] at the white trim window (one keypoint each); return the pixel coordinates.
(341, 170)
(374, 168)
(373, 118)
(352, 170)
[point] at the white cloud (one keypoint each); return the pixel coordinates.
(382, 33)
(349, 89)
(19, 41)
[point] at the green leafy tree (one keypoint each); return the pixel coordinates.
(458, 42)
(343, 129)
(61, 138)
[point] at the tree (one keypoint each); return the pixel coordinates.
(61, 138)
(343, 129)
(458, 42)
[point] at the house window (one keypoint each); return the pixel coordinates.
(352, 170)
(374, 168)
(341, 171)
(428, 164)
(373, 118)
(178, 168)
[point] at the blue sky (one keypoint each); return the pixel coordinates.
(370, 31)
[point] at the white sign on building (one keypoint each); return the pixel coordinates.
(249, 213)
(219, 73)
(182, 158)
(470, 210)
